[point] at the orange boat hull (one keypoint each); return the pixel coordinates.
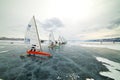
(39, 53)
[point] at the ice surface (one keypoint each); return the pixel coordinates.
(109, 45)
(69, 62)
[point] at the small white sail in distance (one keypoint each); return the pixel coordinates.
(51, 38)
(64, 40)
(61, 40)
(32, 36)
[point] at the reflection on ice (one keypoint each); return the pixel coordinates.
(113, 67)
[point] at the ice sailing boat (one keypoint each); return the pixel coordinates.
(33, 41)
(52, 42)
(61, 40)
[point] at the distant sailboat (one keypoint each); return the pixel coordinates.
(61, 40)
(64, 40)
(52, 42)
(33, 41)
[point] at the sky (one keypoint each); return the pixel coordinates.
(73, 19)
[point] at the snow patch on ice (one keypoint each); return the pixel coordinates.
(89, 79)
(3, 51)
(112, 66)
(58, 77)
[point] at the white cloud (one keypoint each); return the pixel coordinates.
(82, 19)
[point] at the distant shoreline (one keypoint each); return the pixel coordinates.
(5, 38)
(93, 40)
(14, 39)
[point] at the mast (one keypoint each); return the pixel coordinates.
(37, 34)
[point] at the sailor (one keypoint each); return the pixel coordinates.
(52, 45)
(59, 43)
(33, 48)
(56, 42)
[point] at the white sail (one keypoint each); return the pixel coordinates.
(32, 37)
(64, 40)
(61, 40)
(51, 38)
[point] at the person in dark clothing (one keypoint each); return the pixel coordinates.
(33, 48)
(56, 42)
(51, 44)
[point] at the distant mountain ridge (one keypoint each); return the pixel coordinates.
(106, 40)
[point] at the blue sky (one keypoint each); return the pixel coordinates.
(74, 19)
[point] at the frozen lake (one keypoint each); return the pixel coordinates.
(69, 62)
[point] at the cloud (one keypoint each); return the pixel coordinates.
(114, 24)
(84, 20)
(52, 24)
